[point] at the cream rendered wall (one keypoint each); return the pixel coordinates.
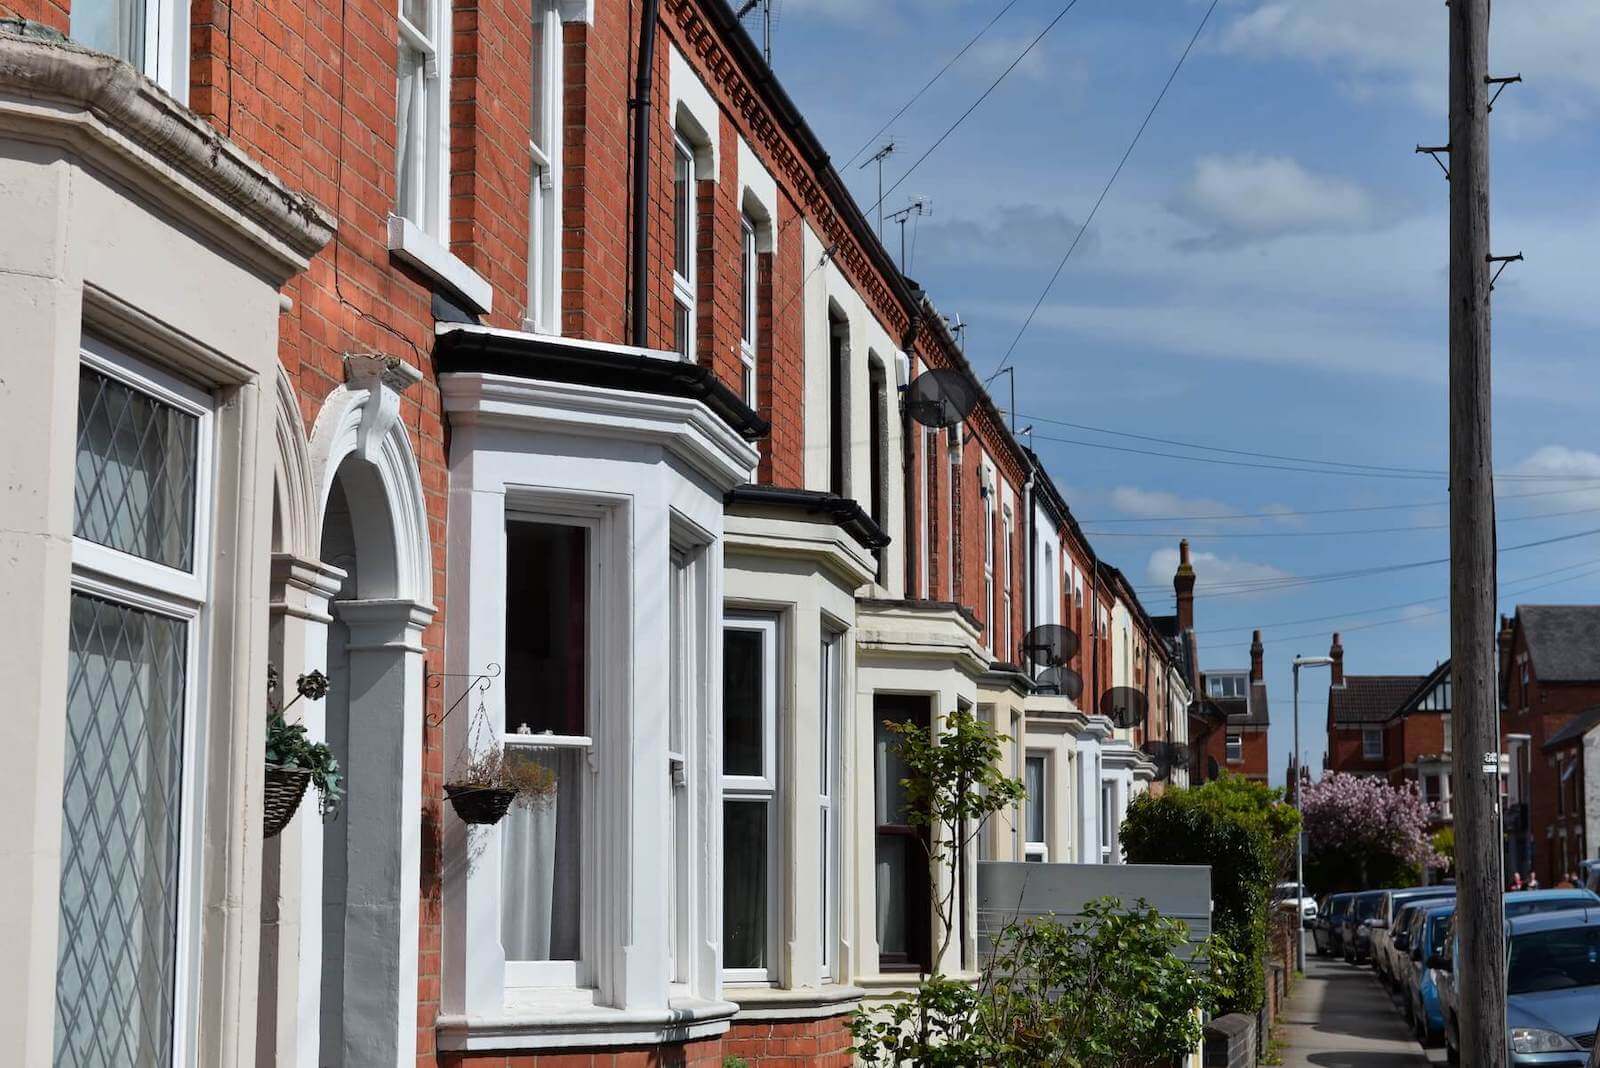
(827, 287)
(170, 287)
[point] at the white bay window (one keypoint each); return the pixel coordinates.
(749, 798)
(129, 817)
(827, 796)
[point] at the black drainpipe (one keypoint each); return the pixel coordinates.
(641, 171)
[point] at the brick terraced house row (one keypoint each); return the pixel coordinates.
(527, 369)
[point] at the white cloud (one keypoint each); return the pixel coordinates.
(1549, 468)
(1212, 571)
(1157, 504)
(1248, 197)
(1377, 47)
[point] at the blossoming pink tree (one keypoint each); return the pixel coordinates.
(1364, 833)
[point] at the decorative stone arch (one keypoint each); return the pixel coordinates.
(372, 524)
(296, 517)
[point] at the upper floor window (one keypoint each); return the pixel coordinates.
(152, 35)
(988, 571)
(748, 305)
(544, 185)
(1226, 685)
(684, 229)
(1006, 580)
(1372, 743)
(420, 118)
(1235, 752)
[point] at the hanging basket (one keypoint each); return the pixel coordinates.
(285, 788)
(479, 804)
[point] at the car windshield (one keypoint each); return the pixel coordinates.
(1338, 906)
(1549, 904)
(1563, 959)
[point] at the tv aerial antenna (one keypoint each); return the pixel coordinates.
(765, 7)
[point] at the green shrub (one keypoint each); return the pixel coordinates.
(1245, 832)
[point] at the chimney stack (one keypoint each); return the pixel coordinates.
(1336, 651)
(1256, 654)
(1183, 584)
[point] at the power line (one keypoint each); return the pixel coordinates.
(982, 97)
(927, 85)
(1254, 454)
(1272, 585)
(1289, 514)
(1324, 533)
(1381, 608)
(1109, 183)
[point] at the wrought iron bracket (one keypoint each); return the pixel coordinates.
(1500, 86)
(481, 681)
(1434, 150)
(1503, 261)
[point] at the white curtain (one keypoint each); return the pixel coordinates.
(539, 869)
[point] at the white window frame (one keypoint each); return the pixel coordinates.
(147, 586)
(545, 179)
(830, 679)
(1368, 734)
(580, 972)
(763, 788)
(1037, 850)
(684, 292)
(428, 211)
(1006, 532)
(750, 323)
(992, 623)
(1234, 751)
(165, 43)
(1108, 806)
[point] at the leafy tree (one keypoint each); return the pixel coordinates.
(1246, 833)
(1106, 989)
(1364, 833)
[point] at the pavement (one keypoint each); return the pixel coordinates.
(1340, 1016)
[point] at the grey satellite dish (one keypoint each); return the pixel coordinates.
(941, 398)
(1061, 680)
(1050, 645)
(1123, 705)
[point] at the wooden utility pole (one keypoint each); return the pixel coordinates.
(1480, 918)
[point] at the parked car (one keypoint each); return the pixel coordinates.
(1428, 944)
(1389, 906)
(1397, 945)
(1521, 907)
(1293, 896)
(1325, 929)
(1355, 934)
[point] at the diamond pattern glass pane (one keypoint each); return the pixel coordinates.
(119, 837)
(136, 472)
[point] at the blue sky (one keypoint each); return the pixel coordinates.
(1268, 274)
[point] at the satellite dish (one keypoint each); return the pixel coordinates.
(1181, 754)
(1212, 771)
(1123, 705)
(1061, 680)
(1050, 645)
(940, 398)
(1161, 755)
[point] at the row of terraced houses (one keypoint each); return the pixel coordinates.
(526, 368)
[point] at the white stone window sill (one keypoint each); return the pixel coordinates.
(414, 245)
(565, 1019)
(806, 1003)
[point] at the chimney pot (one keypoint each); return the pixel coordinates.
(1256, 656)
(1336, 651)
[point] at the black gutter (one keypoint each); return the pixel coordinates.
(641, 172)
(541, 358)
(845, 513)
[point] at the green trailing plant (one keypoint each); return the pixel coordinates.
(289, 746)
(1109, 988)
(1246, 834)
(735, 1062)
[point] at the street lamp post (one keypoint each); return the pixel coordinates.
(1300, 810)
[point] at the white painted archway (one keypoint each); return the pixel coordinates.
(372, 518)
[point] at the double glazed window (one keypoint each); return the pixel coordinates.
(988, 572)
(749, 797)
(1372, 743)
(829, 679)
(684, 229)
(1235, 748)
(152, 35)
(1035, 847)
(419, 117)
(901, 875)
(544, 185)
(548, 579)
(140, 546)
(750, 271)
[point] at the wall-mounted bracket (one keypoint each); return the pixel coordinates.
(481, 681)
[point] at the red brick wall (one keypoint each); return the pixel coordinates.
(779, 1044)
(49, 12)
(1344, 751)
(706, 1053)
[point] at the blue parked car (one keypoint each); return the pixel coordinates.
(1427, 945)
(1553, 978)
